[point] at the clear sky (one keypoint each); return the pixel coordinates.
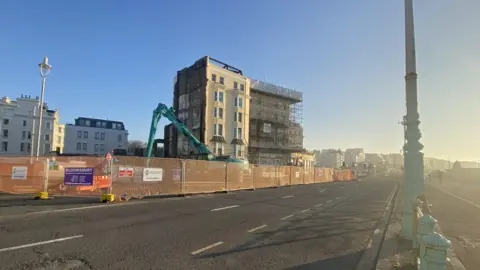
(116, 59)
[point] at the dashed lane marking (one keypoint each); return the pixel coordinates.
(41, 243)
(257, 228)
(224, 208)
(206, 248)
(287, 217)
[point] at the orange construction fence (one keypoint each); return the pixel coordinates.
(138, 176)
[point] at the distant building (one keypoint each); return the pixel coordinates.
(374, 158)
(88, 136)
(329, 158)
(354, 156)
(303, 159)
(19, 121)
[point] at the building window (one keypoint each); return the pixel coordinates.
(79, 134)
(235, 85)
(24, 135)
(222, 80)
(97, 135)
(218, 148)
(85, 134)
(114, 126)
(5, 133)
(84, 147)
(104, 124)
(220, 113)
(102, 147)
(6, 121)
(96, 148)
(220, 129)
(238, 102)
(4, 146)
(87, 123)
(242, 87)
(79, 146)
(47, 137)
(215, 114)
(237, 117)
(119, 137)
(239, 153)
(59, 129)
(48, 125)
(29, 147)
(22, 147)
(214, 77)
(98, 124)
(102, 137)
(239, 133)
(214, 129)
(29, 135)
(47, 148)
(24, 123)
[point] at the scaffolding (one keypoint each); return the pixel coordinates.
(276, 123)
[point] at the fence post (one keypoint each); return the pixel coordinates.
(182, 176)
(252, 167)
(43, 195)
(226, 176)
(290, 175)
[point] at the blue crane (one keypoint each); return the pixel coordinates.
(169, 113)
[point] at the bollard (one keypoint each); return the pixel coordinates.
(434, 252)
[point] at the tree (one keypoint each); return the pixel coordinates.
(135, 146)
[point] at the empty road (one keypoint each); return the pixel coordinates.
(319, 226)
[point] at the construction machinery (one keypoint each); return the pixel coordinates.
(203, 152)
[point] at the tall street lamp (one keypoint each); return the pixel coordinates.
(44, 70)
(414, 176)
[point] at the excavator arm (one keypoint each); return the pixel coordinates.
(163, 110)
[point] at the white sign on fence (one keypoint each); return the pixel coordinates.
(152, 174)
(19, 173)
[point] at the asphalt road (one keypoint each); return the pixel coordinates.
(320, 226)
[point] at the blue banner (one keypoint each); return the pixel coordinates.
(78, 177)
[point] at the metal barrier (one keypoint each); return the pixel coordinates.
(429, 246)
(129, 177)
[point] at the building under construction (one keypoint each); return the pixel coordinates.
(276, 130)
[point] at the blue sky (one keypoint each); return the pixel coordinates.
(117, 59)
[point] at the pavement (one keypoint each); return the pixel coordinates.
(318, 226)
(458, 214)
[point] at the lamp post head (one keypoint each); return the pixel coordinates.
(44, 67)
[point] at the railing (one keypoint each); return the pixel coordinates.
(430, 247)
(127, 177)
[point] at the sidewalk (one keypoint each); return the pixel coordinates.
(395, 252)
(13, 204)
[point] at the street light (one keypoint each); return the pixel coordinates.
(413, 156)
(44, 70)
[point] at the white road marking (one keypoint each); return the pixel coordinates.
(320, 204)
(223, 208)
(287, 217)
(460, 198)
(341, 187)
(206, 248)
(328, 201)
(286, 197)
(338, 198)
(41, 243)
(303, 211)
(257, 228)
(323, 190)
